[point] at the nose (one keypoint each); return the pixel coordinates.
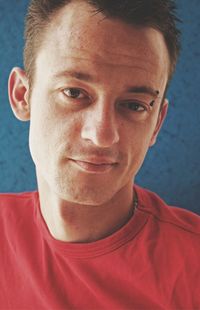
(100, 127)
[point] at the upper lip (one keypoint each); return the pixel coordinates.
(96, 161)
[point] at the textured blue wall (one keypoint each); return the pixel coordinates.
(172, 166)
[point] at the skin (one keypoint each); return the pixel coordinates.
(87, 151)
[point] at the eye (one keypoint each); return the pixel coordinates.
(135, 106)
(74, 93)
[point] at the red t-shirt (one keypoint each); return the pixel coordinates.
(153, 262)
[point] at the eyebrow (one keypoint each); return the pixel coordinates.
(143, 90)
(89, 78)
(77, 75)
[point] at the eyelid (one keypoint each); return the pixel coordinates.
(146, 106)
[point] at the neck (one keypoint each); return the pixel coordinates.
(72, 222)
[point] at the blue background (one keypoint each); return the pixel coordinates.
(172, 166)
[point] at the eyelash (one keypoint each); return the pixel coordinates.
(135, 104)
(82, 92)
(123, 105)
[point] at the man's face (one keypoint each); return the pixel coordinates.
(89, 130)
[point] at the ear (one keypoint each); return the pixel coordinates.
(160, 121)
(18, 90)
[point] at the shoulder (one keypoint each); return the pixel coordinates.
(10, 198)
(170, 240)
(16, 203)
(173, 218)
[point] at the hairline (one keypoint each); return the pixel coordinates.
(47, 24)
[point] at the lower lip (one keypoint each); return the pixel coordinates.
(93, 168)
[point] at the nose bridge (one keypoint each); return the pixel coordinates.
(104, 113)
(100, 125)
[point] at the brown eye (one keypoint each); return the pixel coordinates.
(135, 106)
(74, 93)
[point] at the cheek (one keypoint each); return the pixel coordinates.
(52, 133)
(139, 135)
(41, 127)
(137, 144)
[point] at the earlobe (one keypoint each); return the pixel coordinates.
(160, 121)
(18, 90)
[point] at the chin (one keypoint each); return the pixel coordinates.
(85, 195)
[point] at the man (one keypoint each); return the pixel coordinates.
(93, 88)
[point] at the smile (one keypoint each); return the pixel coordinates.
(94, 167)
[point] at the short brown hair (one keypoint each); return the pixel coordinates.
(159, 14)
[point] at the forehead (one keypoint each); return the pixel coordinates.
(78, 35)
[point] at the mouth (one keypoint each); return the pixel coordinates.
(94, 166)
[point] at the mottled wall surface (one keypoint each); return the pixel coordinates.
(172, 166)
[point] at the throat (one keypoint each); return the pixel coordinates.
(84, 224)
